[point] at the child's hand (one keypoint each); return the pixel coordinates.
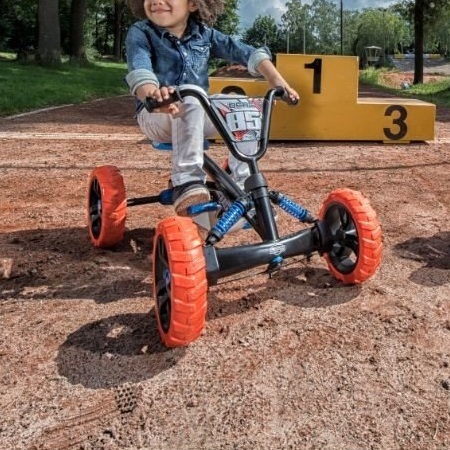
(293, 95)
(163, 94)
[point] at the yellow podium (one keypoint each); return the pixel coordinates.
(330, 108)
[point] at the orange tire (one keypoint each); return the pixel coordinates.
(356, 234)
(106, 206)
(179, 281)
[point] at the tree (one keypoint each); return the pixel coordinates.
(295, 26)
(438, 36)
(228, 21)
(49, 43)
(380, 27)
(119, 7)
(350, 31)
(423, 14)
(77, 21)
(263, 33)
(325, 27)
(18, 26)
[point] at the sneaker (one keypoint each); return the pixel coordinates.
(189, 194)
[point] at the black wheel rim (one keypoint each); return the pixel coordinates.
(95, 208)
(163, 285)
(345, 250)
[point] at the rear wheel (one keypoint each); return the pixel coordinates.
(179, 281)
(356, 236)
(106, 206)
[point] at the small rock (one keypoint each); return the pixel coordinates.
(446, 384)
(7, 264)
(134, 246)
(302, 278)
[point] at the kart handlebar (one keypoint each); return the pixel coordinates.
(282, 94)
(186, 90)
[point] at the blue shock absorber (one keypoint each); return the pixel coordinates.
(294, 209)
(194, 210)
(231, 216)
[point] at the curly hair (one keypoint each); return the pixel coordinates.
(208, 10)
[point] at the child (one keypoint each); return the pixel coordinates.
(171, 47)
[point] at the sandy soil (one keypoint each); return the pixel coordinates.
(294, 362)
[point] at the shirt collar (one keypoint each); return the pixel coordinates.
(193, 29)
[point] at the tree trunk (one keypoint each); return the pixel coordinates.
(77, 19)
(49, 41)
(118, 13)
(418, 41)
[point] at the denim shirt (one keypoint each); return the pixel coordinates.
(156, 56)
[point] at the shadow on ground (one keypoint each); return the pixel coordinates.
(434, 255)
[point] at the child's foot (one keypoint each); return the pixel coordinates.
(189, 194)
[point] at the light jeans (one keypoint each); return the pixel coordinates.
(187, 131)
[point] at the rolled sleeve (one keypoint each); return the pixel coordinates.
(137, 78)
(255, 60)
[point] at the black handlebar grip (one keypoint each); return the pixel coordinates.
(151, 104)
(291, 102)
(282, 94)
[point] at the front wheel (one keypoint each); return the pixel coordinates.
(106, 206)
(355, 233)
(179, 281)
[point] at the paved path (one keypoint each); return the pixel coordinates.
(431, 66)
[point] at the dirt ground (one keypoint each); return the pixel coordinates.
(294, 362)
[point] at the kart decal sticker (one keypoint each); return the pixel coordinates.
(240, 116)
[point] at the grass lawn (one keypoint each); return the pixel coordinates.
(25, 87)
(437, 92)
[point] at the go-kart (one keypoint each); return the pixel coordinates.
(345, 232)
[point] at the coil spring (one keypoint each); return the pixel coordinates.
(293, 208)
(231, 216)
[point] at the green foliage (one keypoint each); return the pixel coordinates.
(431, 9)
(18, 24)
(437, 39)
(436, 22)
(19, 28)
(295, 27)
(315, 28)
(431, 89)
(351, 29)
(436, 92)
(58, 86)
(369, 76)
(307, 26)
(325, 23)
(228, 22)
(263, 33)
(382, 28)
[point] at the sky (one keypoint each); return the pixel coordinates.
(249, 10)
